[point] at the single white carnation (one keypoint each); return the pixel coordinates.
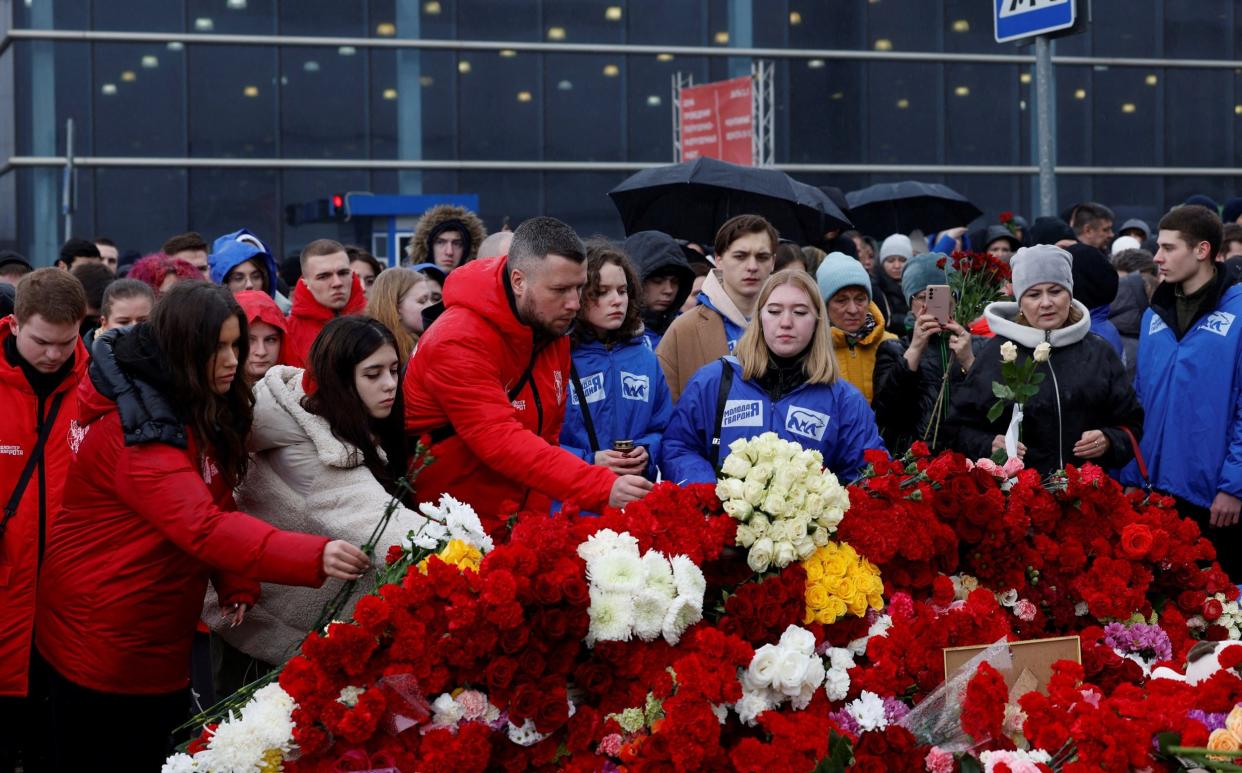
(689, 578)
(617, 571)
(751, 706)
(868, 710)
(650, 609)
(682, 613)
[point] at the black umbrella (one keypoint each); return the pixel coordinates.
(838, 197)
(901, 207)
(692, 200)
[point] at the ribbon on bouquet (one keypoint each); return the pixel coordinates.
(407, 706)
(1011, 434)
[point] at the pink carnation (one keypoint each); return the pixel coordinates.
(939, 761)
(1025, 610)
(610, 745)
(474, 705)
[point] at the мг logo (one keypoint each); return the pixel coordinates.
(743, 413)
(635, 387)
(805, 422)
(1156, 325)
(1218, 322)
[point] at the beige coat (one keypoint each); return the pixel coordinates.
(302, 478)
(697, 337)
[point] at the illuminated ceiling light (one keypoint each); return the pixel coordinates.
(524, 96)
(236, 5)
(426, 81)
(1151, 80)
(175, 45)
(883, 44)
(310, 65)
(1237, 109)
(284, 80)
(565, 86)
(385, 29)
(1128, 107)
(1080, 94)
(347, 50)
(508, 53)
(815, 64)
(390, 94)
(837, 96)
(463, 67)
(611, 71)
(962, 91)
(431, 8)
(251, 91)
(1025, 77)
(110, 88)
(613, 13)
(150, 62)
(129, 76)
(961, 25)
(654, 100)
(555, 33)
(722, 37)
(664, 57)
(795, 18)
(204, 24)
(902, 104)
(1021, 104)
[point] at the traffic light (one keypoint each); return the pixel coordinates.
(335, 208)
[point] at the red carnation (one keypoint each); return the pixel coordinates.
(1230, 657)
(983, 711)
(1136, 541)
(1212, 610)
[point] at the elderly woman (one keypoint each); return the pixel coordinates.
(864, 348)
(1085, 409)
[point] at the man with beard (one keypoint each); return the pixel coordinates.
(487, 384)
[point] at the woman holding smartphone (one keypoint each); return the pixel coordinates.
(937, 352)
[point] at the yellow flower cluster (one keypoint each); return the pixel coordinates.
(272, 761)
(1227, 738)
(457, 553)
(838, 580)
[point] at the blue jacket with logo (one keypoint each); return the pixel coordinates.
(628, 398)
(831, 418)
(1191, 390)
(733, 331)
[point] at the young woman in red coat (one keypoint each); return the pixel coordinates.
(148, 518)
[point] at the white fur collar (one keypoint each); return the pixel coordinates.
(1000, 316)
(280, 420)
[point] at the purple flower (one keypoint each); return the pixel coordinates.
(846, 721)
(895, 710)
(1210, 721)
(1148, 641)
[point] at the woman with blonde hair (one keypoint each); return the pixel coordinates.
(783, 378)
(397, 299)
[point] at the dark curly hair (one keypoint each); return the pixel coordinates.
(601, 252)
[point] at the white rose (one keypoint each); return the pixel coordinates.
(762, 668)
(820, 536)
(753, 492)
(730, 488)
(739, 509)
(785, 554)
(774, 504)
(760, 555)
(1043, 352)
(745, 535)
(735, 465)
(760, 523)
(805, 547)
(740, 446)
(1008, 598)
(1009, 352)
(791, 672)
(798, 639)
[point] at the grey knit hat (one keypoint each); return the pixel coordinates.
(1039, 264)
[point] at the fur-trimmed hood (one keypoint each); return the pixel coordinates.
(432, 222)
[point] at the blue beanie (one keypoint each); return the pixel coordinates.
(838, 271)
(1233, 208)
(921, 271)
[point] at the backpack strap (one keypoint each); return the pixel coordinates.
(36, 456)
(722, 398)
(586, 409)
(1139, 461)
(440, 434)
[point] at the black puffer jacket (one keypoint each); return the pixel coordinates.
(905, 399)
(891, 300)
(1085, 388)
(126, 367)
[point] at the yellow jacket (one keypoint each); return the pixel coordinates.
(857, 362)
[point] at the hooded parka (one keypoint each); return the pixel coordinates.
(446, 217)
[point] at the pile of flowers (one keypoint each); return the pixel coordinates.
(647, 639)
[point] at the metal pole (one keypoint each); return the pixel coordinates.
(1045, 93)
(68, 199)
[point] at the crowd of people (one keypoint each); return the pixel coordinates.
(201, 439)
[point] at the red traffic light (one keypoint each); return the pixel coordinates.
(338, 201)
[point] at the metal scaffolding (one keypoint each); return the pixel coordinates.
(762, 73)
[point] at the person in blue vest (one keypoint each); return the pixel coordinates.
(1190, 381)
(619, 403)
(783, 378)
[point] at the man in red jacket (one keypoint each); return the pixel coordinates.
(487, 383)
(42, 361)
(328, 289)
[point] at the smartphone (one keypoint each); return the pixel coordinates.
(940, 303)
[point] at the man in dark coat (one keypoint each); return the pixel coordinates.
(666, 276)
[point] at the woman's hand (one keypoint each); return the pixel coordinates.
(924, 328)
(998, 443)
(1092, 445)
(623, 462)
(959, 342)
(233, 614)
(344, 561)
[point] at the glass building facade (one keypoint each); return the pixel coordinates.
(280, 98)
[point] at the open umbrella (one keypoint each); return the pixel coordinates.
(901, 207)
(692, 200)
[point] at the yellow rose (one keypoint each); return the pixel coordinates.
(836, 606)
(847, 587)
(1222, 740)
(835, 566)
(1234, 722)
(814, 570)
(816, 596)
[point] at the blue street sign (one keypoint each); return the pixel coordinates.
(1016, 19)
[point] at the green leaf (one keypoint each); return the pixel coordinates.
(840, 755)
(1000, 456)
(967, 763)
(995, 411)
(1010, 371)
(1038, 378)
(1003, 391)
(1168, 739)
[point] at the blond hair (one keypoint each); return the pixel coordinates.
(820, 363)
(1075, 316)
(384, 305)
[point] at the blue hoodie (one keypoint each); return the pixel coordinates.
(229, 251)
(833, 419)
(628, 398)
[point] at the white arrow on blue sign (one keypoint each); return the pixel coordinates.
(1016, 19)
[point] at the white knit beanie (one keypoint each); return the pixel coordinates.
(897, 244)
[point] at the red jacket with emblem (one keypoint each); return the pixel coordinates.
(500, 449)
(25, 533)
(308, 316)
(142, 529)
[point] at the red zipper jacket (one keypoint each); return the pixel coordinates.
(308, 316)
(499, 449)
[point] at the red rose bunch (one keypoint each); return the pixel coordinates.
(759, 611)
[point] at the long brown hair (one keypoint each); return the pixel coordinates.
(820, 362)
(600, 253)
(186, 324)
(384, 305)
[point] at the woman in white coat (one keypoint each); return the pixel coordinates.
(328, 449)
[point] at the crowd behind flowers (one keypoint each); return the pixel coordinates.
(776, 621)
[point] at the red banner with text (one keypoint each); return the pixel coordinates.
(717, 121)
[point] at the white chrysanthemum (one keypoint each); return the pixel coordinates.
(751, 706)
(658, 576)
(611, 615)
(650, 609)
(463, 524)
(428, 537)
(179, 763)
(689, 578)
(868, 710)
(526, 735)
(607, 541)
(682, 613)
(618, 571)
